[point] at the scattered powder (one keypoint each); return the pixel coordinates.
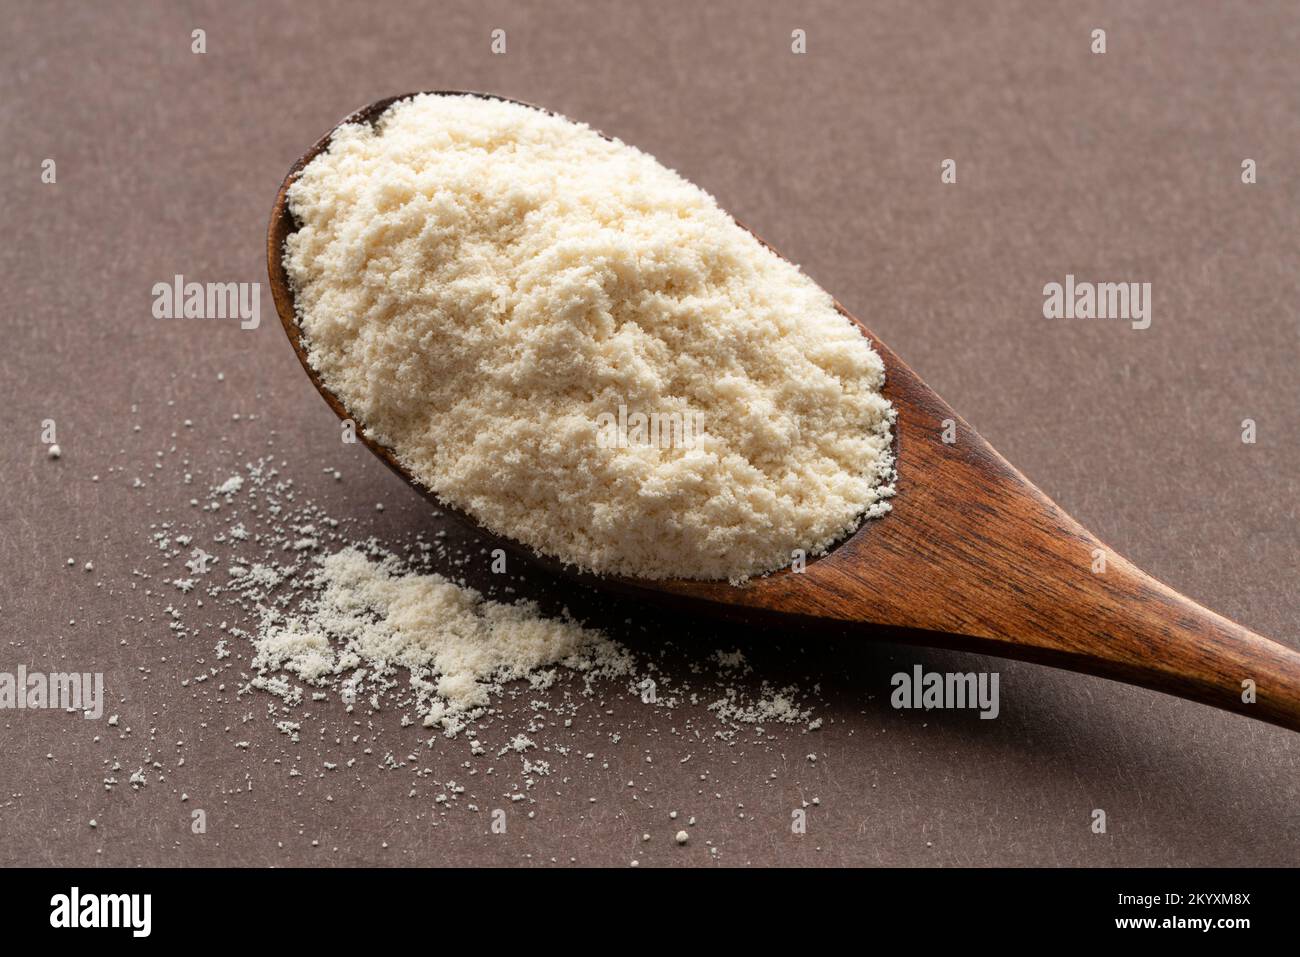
(456, 646)
(295, 631)
(383, 629)
(481, 282)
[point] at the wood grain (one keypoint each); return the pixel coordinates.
(972, 556)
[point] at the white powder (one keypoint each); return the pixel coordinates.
(480, 283)
(456, 646)
(352, 617)
(317, 664)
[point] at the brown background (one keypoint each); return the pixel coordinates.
(1124, 166)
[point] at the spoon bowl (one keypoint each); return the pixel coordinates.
(971, 556)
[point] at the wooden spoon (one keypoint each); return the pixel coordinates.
(972, 556)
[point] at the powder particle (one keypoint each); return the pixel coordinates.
(497, 294)
(54, 451)
(682, 837)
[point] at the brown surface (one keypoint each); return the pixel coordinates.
(1116, 167)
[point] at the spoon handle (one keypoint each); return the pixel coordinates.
(986, 554)
(1050, 592)
(1130, 627)
(981, 553)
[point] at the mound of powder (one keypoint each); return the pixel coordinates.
(376, 618)
(487, 288)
